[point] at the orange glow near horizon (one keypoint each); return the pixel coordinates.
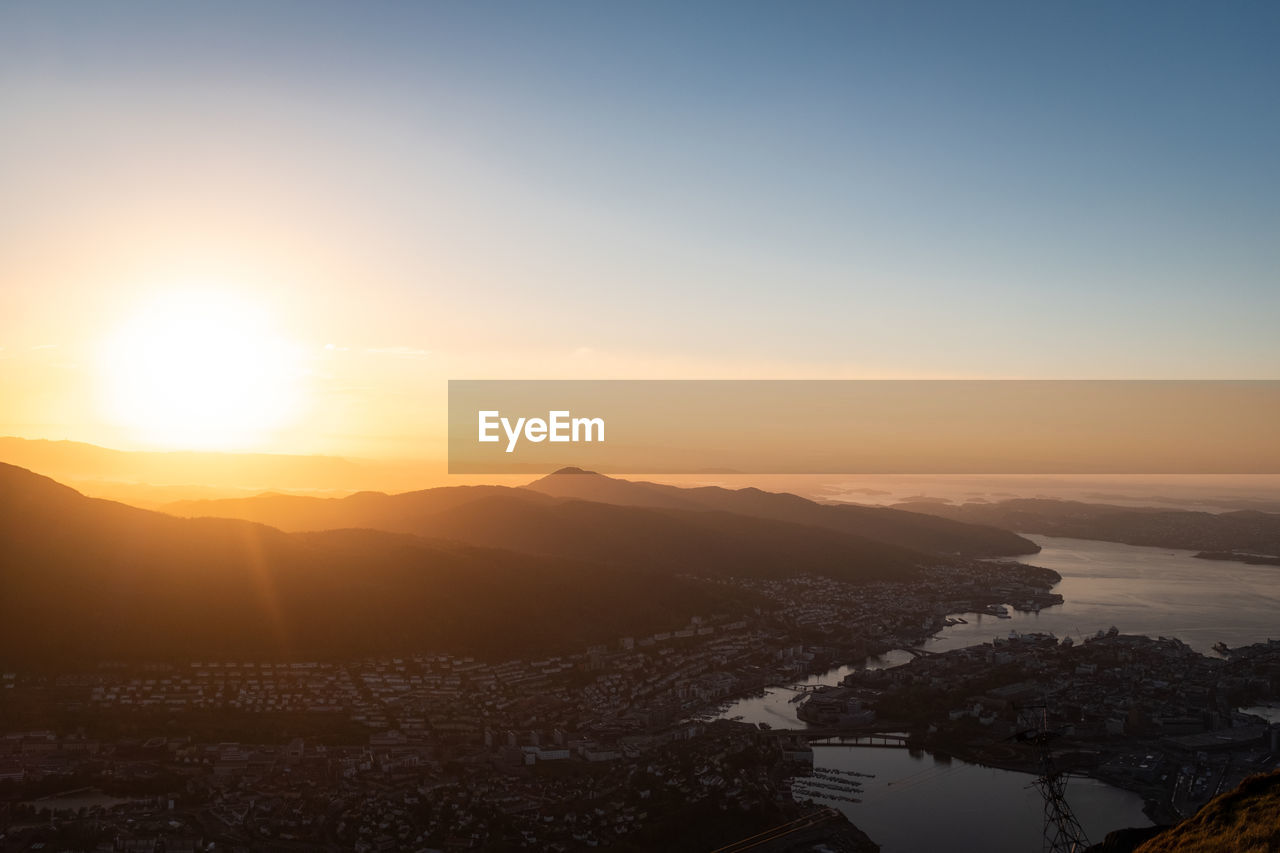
(199, 368)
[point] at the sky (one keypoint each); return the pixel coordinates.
(396, 194)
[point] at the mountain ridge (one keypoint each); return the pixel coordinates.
(887, 527)
(88, 579)
(1231, 530)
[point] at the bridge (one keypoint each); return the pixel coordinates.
(883, 741)
(845, 737)
(920, 653)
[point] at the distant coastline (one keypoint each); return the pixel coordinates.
(1240, 557)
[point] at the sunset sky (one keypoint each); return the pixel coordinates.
(315, 214)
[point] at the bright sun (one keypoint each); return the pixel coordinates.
(200, 369)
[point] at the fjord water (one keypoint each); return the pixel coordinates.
(1154, 591)
(917, 801)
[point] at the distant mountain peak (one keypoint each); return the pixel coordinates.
(223, 588)
(891, 527)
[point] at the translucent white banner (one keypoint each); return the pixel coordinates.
(865, 427)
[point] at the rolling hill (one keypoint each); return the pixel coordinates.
(149, 478)
(667, 540)
(85, 579)
(880, 524)
(685, 541)
(541, 517)
(1239, 530)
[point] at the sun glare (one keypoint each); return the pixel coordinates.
(200, 369)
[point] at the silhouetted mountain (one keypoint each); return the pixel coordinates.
(363, 509)
(648, 538)
(590, 486)
(88, 579)
(1241, 530)
(890, 526)
(152, 477)
(692, 541)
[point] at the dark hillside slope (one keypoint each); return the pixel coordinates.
(587, 515)
(84, 579)
(683, 541)
(697, 540)
(374, 510)
(1243, 820)
(881, 524)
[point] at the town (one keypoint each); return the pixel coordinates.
(1149, 715)
(617, 744)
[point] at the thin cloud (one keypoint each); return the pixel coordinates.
(400, 352)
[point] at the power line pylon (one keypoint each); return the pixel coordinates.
(1062, 832)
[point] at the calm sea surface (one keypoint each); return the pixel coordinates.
(922, 803)
(1154, 591)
